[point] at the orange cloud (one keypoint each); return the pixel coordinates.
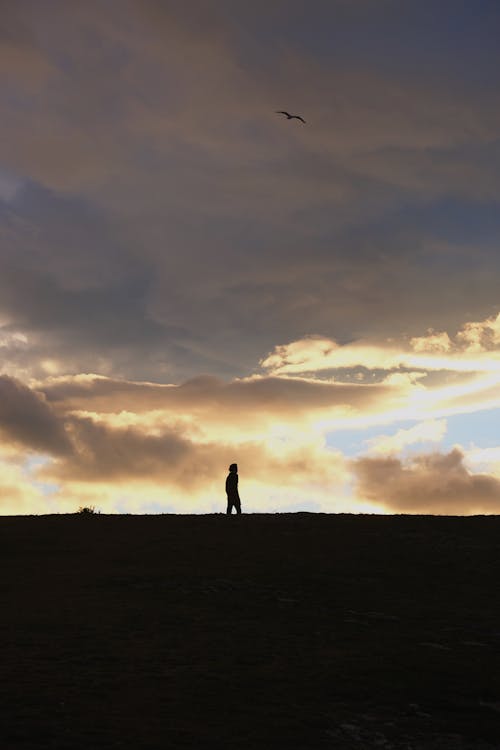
(435, 375)
(476, 348)
(115, 439)
(101, 456)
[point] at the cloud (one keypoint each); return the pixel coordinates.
(114, 442)
(161, 222)
(475, 347)
(27, 420)
(483, 460)
(107, 454)
(441, 373)
(433, 342)
(258, 400)
(430, 483)
(161, 190)
(118, 453)
(480, 336)
(18, 495)
(124, 468)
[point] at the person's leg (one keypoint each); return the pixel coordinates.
(229, 507)
(237, 505)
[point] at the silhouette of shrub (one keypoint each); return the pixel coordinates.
(87, 510)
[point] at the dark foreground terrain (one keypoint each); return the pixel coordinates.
(263, 631)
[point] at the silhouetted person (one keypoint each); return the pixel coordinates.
(233, 498)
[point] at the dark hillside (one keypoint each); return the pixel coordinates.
(296, 631)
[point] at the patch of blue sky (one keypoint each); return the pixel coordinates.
(155, 507)
(353, 443)
(30, 466)
(47, 488)
(121, 505)
(124, 503)
(479, 430)
(34, 462)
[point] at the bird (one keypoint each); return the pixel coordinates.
(289, 116)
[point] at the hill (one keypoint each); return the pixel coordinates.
(296, 631)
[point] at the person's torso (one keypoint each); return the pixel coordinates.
(232, 483)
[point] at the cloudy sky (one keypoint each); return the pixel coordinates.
(189, 279)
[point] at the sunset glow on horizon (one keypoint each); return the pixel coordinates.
(190, 279)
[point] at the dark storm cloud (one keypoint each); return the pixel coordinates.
(431, 483)
(172, 224)
(71, 287)
(28, 421)
(61, 235)
(106, 316)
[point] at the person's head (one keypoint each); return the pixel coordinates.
(233, 467)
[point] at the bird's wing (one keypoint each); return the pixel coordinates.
(300, 118)
(282, 112)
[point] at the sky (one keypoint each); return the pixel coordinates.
(189, 279)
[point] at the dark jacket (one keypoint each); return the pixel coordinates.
(232, 484)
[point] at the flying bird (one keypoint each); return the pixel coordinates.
(289, 116)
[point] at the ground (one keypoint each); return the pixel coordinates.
(296, 631)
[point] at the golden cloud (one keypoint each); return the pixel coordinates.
(115, 452)
(117, 439)
(437, 374)
(475, 348)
